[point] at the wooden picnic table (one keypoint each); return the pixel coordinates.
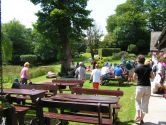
(63, 83)
(88, 105)
(86, 98)
(34, 94)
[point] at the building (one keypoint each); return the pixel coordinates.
(161, 41)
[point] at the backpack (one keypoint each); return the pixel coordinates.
(128, 66)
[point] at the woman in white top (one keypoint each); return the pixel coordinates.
(96, 77)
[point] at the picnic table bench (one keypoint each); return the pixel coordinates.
(69, 103)
(63, 83)
(14, 113)
(117, 93)
(119, 80)
(51, 89)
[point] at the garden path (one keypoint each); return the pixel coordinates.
(157, 111)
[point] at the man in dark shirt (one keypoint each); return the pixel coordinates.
(143, 89)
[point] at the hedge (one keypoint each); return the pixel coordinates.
(104, 52)
(32, 59)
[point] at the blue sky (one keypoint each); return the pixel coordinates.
(24, 11)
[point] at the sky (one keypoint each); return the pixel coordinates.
(24, 11)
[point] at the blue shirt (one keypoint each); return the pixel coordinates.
(118, 71)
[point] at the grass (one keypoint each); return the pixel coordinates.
(127, 111)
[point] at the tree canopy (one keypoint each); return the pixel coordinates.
(133, 22)
(61, 21)
(16, 40)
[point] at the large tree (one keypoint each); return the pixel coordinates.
(60, 21)
(134, 20)
(156, 14)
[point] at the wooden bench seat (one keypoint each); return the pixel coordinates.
(21, 99)
(119, 80)
(67, 107)
(50, 88)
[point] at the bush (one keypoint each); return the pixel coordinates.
(131, 56)
(16, 60)
(32, 59)
(40, 71)
(132, 48)
(116, 56)
(104, 52)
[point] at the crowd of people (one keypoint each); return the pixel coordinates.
(149, 75)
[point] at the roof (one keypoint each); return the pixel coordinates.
(161, 41)
(154, 38)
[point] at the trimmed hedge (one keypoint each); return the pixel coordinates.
(104, 52)
(32, 59)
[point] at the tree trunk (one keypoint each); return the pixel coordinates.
(66, 57)
(92, 53)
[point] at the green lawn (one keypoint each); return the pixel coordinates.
(126, 113)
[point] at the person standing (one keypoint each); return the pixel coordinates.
(24, 74)
(96, 77)
(143, 89)
(81, 72)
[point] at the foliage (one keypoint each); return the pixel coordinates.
(11, 72)
(6, 48)
(131, 56)
(108, 42)
(93, 39)
(41, 45)
(39, 71)
(156, 14)
(132, 48)
(32, 59)
(108, 51)
(116, 56)
(19, 36)
(63, 22)
(133, 22)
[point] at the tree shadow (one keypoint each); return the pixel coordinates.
(116, 84)
(125, 123)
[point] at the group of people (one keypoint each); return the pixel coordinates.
(143, 71)
(144, 74)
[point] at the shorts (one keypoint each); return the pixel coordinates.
(95, 85)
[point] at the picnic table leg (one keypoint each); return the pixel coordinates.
(20, 117)
(10, 116)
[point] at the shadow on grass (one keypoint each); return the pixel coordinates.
(125, 123)
(116, 84)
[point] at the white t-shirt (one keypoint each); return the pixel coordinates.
(81, 73)
(157, 79)
(96, 73)
(105, 70)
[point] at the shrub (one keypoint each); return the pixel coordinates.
(87, 50)
(116, 56)
(104, 52)
(16, 60)
(32, 59)
(40, 71)
(132, 48)
(131, 56)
